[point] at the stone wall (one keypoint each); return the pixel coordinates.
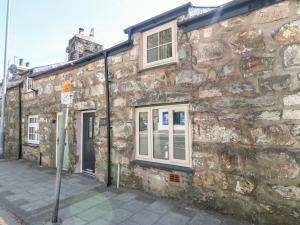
(86, 88)
(241, 80)
(12, 119)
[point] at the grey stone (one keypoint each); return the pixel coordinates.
(264, 115)
(255, 65)
(209, 93)
(125, 197)
(264, 101)
(230, 117)
(288, 33)
(90, 214)
(271, 14)
(87, 105)
(292, 100)
(210, 51)
(73, 221)
(275, 83)
(227, 70)
(68, 212)
(248, 40)
(295, 130)
(245, 87)
(159, 97)
(291, 114)
(182, 53)
(34, 205)
(173, 219)
(120, 215)
(134, 206)
(145, 217)
(291, 55)
(190, 77)
(205, 219)
(159, 207)
(200, 106)
(100, 221)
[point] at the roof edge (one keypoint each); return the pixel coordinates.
(223, 12)
(159, 19)
(110, 51)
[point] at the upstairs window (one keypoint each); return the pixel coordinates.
(163, 134)
(29, 84)
(159, 45)
(33, 127)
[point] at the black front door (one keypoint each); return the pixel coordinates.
(88, 151)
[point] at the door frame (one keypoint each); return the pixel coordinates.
(81, 136)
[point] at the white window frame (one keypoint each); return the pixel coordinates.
(28, 81)
(188, 137)
(173, 26)
(34, 125)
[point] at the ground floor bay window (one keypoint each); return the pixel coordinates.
(162, 134)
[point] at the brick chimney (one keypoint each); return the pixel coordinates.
(82, 45)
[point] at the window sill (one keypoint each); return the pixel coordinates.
(162, 166)
(157, 66)
(31, 145)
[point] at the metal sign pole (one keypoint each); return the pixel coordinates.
(61, 146)
(4, 84)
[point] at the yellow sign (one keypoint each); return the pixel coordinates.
(66, 86)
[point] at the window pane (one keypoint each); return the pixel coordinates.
(165, 36)
(152, 55)
(143, 133)
(179, 134)
(152, 41)
(91, 126)
(165, 51)
(160, 133)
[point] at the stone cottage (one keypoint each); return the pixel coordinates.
(201, 104)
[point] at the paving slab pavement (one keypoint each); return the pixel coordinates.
(87, 202)
(6, 218)
(27, 189)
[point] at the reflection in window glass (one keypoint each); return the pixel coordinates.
(165, 51)
(152, 41)
(159, 45)
(179, 134)
(91, 127)
(143, 133)
(165, 36)
(152, 55)
(160, 134)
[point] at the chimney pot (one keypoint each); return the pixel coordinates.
(92, 33)
(81, 30)
(27, 64)
(21, 62)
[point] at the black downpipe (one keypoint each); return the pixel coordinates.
(20, 122)
(108, 121)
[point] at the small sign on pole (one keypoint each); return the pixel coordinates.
(66, 92)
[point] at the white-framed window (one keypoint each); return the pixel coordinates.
(33, 128)
(163, 135)
(160, 45)
(29, 84)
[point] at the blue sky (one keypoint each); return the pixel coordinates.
(40, 29)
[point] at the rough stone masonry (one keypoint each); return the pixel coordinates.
(241, 79)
